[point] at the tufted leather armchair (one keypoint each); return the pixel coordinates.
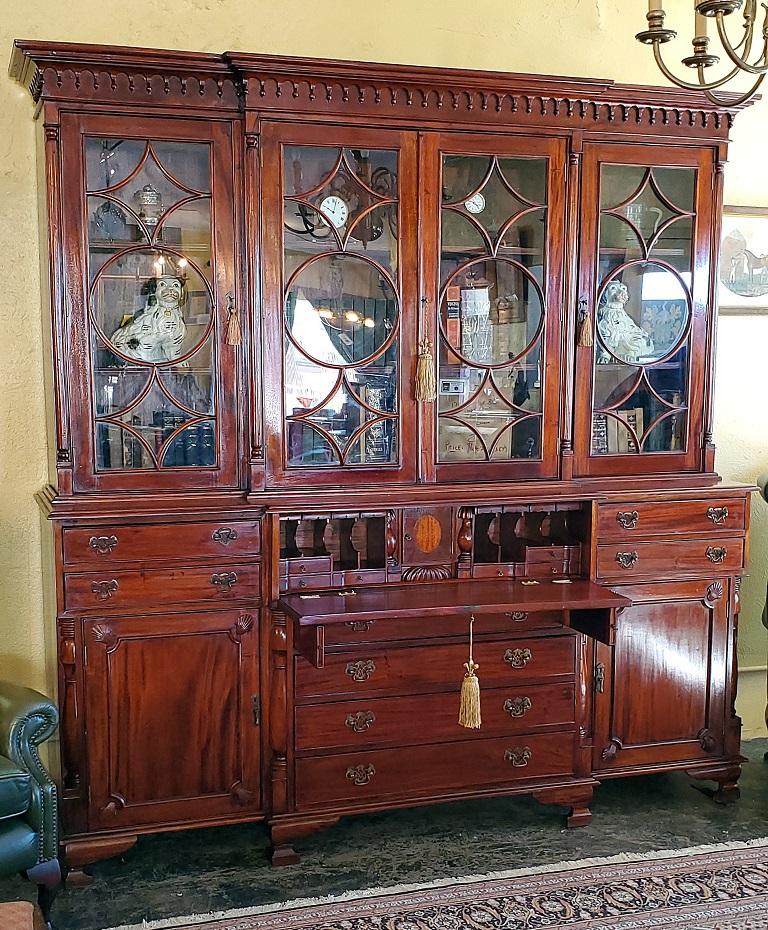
(29, 835)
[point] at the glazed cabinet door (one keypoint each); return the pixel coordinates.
(491, 267)
(150, 383)
(171, 731)
(338, 258)
(660, 689)
(642, 339)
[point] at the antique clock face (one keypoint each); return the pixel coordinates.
(475, 204)
(335, 209)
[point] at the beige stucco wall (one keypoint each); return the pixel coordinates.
(576, 37)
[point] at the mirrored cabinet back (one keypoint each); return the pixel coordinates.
(346, 360)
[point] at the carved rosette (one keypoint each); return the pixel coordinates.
(714, 593)
(427, 573)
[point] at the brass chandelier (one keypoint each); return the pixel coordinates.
(739, 54)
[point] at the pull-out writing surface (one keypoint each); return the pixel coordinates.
(587, 607)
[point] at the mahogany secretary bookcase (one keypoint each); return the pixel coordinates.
(341, 356)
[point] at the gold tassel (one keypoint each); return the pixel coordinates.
(585, 326)
(469, 707)
(234, 334)
(426, 387)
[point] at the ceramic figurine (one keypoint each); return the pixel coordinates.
(156, 332)
(619, 333)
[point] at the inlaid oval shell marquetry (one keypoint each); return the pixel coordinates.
(427, 533)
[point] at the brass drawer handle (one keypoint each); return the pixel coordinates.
(716, 554)
(520, 756)
(104, 589)
(361, 774)
(223, 581)
(517, 706)
(718, 515)
(518, 658)
(516, 615)
(627, 519)
(102, 544)
(361, 670)
(359, 626)
(224, 535)
(361, 721)
(627, 559)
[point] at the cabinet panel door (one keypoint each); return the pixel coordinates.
(170, 718)
(152, 281)
(665, 677)
(338, 266)
(492, 256)
(644, 297)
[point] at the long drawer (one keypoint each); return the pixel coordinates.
(431, 718)
(105, 545)
(625, 520)
(406, 670)
(153, 588)
(418, 771)
(372, 631)
(661, 558)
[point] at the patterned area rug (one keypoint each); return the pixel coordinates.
(709, 888)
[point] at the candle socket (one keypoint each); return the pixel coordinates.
(701, 57)
(656, 31)
(713, 7)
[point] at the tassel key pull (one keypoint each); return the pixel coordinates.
(585, 324)
(234, 335)
(469, 705)
(425, 388)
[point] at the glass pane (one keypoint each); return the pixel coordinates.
(116, 385)
(619, 183)
(677, 186)
(117, 448)
(152, 306)
(309, 448)
(340, 262)
(108, 162)
(675, 244)
(636, 423)
(641, 315)
(491, 312)
(187, 162)
(194, 445)
(340, 309)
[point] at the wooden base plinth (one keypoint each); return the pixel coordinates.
(575, 797)
(284, 833)
(79, 853)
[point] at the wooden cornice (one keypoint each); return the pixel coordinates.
(146, 77)
(328, 89)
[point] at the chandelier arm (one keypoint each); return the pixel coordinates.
(688, 85)
(730, 102)
(760, 66)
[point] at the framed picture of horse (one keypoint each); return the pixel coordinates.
(743, 285)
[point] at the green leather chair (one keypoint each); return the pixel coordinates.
(29, 830)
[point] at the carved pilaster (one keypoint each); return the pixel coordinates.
(69, 706)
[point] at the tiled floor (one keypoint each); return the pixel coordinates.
(207, 870)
